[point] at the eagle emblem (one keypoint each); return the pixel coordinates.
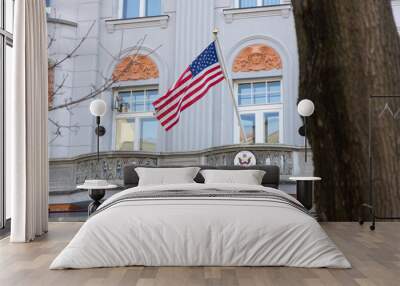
(245, 159)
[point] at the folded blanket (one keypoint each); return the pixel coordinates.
(205, 193)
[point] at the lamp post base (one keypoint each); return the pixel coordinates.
(96, 195)
(305, 193)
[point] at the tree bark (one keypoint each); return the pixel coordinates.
(349, 50)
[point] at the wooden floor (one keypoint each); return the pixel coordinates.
(375, 257)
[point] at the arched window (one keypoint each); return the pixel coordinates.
(259, 93)
(135, 127)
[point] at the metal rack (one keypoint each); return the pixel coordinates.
(371, 204)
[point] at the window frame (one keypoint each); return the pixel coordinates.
(259, 110)
(6, 40)
(253, 81)
(142, 10)
(260, 3)
(133, 89)
(137, 116)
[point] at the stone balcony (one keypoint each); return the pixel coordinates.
(66, 174)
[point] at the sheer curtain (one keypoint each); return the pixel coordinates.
(26, 119)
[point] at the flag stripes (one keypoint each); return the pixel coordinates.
(193, 84)
(169, 123)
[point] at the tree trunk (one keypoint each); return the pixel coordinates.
(349, 50)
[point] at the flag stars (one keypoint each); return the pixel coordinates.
(207, 58)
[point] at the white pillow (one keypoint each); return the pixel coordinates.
(166, 176)
(248, 177)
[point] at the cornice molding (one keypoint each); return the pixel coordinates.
(61, 22)
(264, 11)
(134, 23)
(395, 2)
(204, 152)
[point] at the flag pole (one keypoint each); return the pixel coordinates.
(221, 58)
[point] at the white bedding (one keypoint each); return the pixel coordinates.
(200, 231)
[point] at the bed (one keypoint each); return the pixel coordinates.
(201, 224)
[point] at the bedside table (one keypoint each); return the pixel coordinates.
(96, 194)
(305, 192)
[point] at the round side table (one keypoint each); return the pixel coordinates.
(96, 194)
(305, 192)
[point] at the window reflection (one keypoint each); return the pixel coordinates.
(141, 8)
(249, 125)
(125, 134)
(153, 7)
(148, 136)
(271, 2)
(271, 127)
(131, 8)
(247, 3)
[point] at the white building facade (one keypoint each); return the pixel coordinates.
(265, 76)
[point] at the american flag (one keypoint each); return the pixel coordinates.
(202, 74)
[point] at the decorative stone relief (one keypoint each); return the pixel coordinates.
(257, 58)
(110, 169)
(135, 67)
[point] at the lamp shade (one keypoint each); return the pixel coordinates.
(305, 107)
(98, 107)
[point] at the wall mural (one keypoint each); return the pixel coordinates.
(384, 119)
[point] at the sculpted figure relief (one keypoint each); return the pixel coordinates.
(133, 67)
(257, 58)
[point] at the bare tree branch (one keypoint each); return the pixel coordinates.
(109, 82)
(52, 38)
(73, 51)
(59, 86)
(73, 128)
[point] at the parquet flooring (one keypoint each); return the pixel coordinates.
(375, 257)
